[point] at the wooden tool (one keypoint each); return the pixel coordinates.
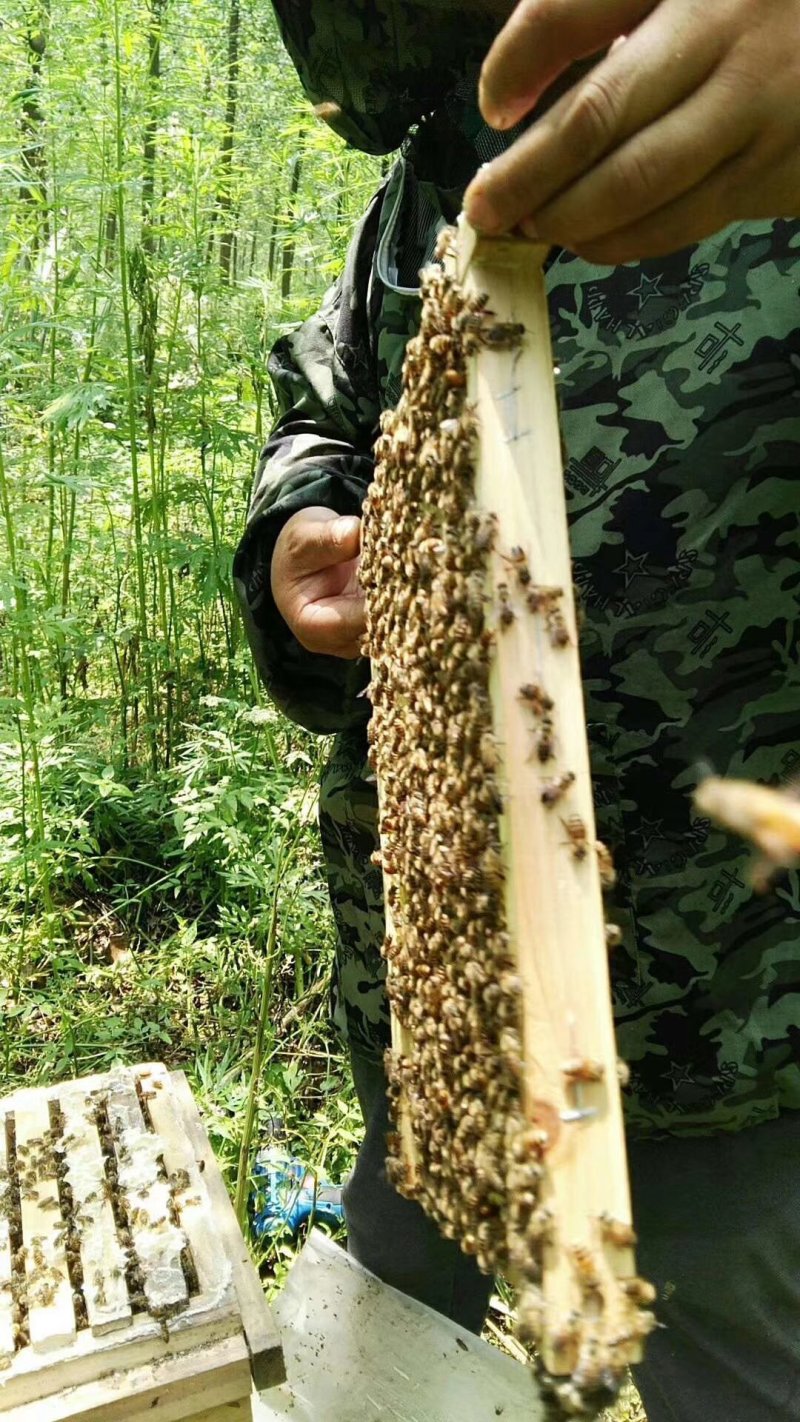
(126, 1290)
(523, 1004)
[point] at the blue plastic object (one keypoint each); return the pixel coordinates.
(287, 1196)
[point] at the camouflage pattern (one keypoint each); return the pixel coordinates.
(374, 68)
(681, 419)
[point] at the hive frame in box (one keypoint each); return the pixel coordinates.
(121, 1259)
(480, 401)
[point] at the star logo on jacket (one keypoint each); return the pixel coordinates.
(648, 286)
(634, 566)
(679, 1076)
(649, 830)
(644, 301)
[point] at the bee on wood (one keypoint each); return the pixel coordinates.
(539, 1228)
(536, 698)
(545, 744)
(511, 1051)
(585, 1267)
(519, 562)
(488, 751)
(506, 614)
(641, 1291)
(567, 1333)
(554, 789)
(644, 1323)
(578, 836)
(455, 379)
(501, 335)
(580, 1069)
(608, 874)
(530, 1314)
(541, 599)
(557, 628)
(546, 601)
(486, 533)
(617, 1232)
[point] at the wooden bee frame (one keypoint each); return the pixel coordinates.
(126, 1290)
(549, 1187)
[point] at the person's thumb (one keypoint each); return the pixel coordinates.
(326, 543)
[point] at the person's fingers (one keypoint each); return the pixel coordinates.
(642, 79)
(540, 40)
(312, 543)
(652, 169)
(334, 626)
(719, 199)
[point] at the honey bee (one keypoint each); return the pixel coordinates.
(506, 614)
(554, 789)
(455, 379)
(580, 1069)
(539, 1228)
(585, 1266)
(519, 562)
(613, 935)
(768, 817)
(488, 751)
(617, 1232)
(578, 836)
(546, 600)
(545, 745)
(566, 1333)
(640, 1290)
(530, 1314)
(608, 874)
(541, 599)
(557, 628)
(536, 698)
(501, 335)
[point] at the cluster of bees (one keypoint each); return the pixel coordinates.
(452, 984)
(462, 1146)
(35, 1278)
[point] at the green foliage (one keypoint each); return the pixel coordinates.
(162, 221)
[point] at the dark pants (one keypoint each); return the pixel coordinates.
(719, 1225)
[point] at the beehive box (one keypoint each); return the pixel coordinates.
(126, 1290)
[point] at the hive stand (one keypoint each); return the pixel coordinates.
(126, 1289)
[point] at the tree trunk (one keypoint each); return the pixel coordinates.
(225, 195)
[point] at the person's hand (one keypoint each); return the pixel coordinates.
(315, 584)
(690, 122)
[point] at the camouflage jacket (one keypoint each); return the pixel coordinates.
(680, 396)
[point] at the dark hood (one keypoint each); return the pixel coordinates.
(372, 68)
